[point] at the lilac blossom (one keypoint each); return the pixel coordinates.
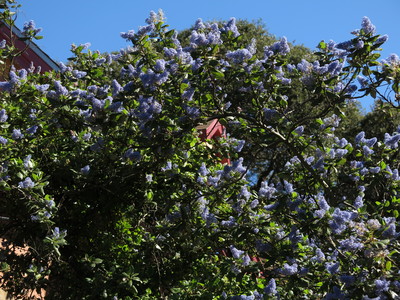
(16, 135)
(116, 88)
(351, 244)
(167, 167)
(27, 162)
(280, 47)
(362, 81)
(358, 202)
(270, 114)
(270, 289)
(150, 78)
(79, 74)
(100, 61)
(146, 30)
(231, 222)
(244, 193)
(337, 294)
(129, 35)
(132, 155)
(42, 88)
(60, 90)
(86, 136)
(304, 66)
(367, 26)
(239, 146)
(319, 256)
(332, 267)
(299, 130)
(339, 221)
(160, 66)
(230, 26)
(98, 104)
(347, 45)
(213, 37)
(152, 18)
(3, 116)
(323, 207)
(266, 190)
(199, 25)
(359, 44)
(148, 108)
(374, 170)
(390, 232)
(339, 153)
(254, 203)
(367, 151)
(188, 94)
(203, 171)
(64, 68)
(30, 27)
(382, 39)
(236, 253)
(335, 67)
(239, 56)
(392, 141)
(32, 130)
(192, 112)
(85, 170)
(116, 107)
(289, 269)
(381, 285)
(237, 166)
(288, 187)
(3, 140)
(26, 184)
(370, 142)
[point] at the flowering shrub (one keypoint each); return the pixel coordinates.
(106, 182)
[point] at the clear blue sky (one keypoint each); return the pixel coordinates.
(304, 22)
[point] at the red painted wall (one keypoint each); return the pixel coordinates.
(31, 54)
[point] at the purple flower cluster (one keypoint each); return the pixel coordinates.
(147, 109)
(391, 141)
(367, 27)
(30, 28)
(27, 183)
(85, 170)
(340, 218)
(152, 79)
(323, 206)
(59, 90)
(213, 37)
(230, 26)
(266, 190)
(239, 56)
(280, 47)
(270, 289)
(289, 269)
(3, 116)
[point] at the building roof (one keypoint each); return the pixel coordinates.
(31, 54)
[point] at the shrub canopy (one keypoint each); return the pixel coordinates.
(107, 184)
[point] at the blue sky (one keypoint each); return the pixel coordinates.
(304, 22)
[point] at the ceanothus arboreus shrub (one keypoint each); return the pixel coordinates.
(107, 183)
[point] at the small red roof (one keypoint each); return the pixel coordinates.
(31, 54)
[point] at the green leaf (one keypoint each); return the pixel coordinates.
(217, 74)
(388, 265)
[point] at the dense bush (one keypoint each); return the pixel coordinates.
(105, 180)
